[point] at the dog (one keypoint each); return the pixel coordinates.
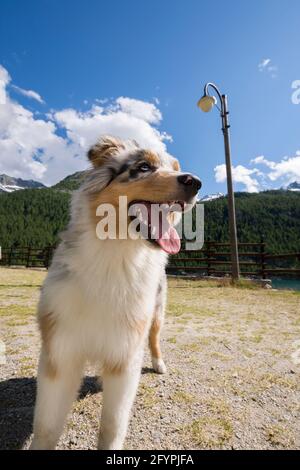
(102, 298)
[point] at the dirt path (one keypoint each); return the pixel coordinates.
(232, 380)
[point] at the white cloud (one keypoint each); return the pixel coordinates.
(267, 66)
(281, 173)
(29, 94)
(139, 109)
(240, 174)
(50, 147)
(263, 64)
(285, 171)
(262, 160)
(4, 80)
(126, 118)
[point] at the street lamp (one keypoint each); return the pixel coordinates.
(206, 104)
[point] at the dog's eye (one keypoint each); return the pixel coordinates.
(144, 167)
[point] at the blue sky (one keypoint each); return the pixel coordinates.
(73, 52)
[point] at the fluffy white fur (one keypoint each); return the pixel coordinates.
(96, 292)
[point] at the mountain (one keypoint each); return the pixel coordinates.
(295, 186)
(8, 184)
(71, 182)
(211, 197)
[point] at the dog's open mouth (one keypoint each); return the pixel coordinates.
(155, 224)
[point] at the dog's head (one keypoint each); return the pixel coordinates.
(147, 179)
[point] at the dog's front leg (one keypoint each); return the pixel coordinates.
(119, 390)
(56, 390)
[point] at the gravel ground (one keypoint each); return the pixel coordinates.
(232, 380)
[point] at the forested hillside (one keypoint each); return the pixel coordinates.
(271, 215)
(71, 182)
(36, 216)
(32, 217)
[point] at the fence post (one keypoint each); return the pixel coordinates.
(10, 256)
(262, 258)
(47, 256)
(208, 254)
(28, 257)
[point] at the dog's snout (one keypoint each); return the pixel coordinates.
(190, 180)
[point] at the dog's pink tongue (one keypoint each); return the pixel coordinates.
(170, 241)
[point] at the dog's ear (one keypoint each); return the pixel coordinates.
(104, 149)
(176, 165)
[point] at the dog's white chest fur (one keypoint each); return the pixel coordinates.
(107, 298)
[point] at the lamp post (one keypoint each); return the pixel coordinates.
(206, 104)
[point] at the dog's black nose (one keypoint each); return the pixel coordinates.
(190, 180)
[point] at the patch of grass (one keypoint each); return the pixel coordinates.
(245, 284)
(203, 312)
(215, 428)
(172, 340)
(220, 356)
(17, 311)
(27, 369)
(256, 339)
(207, 340)
(175, 309)
(269, 379)
(210, 431)
(275, 352)
(192, 360)
(10, 351)
(217, 406)
(248, 354)
(11, 336)
(182, 321)
(148, 395)
(179, 330)
(17, 322)
(175, 371)
(195, 347)
(279, 436)
(183, 397)
(86, 407)
(25, 360)
(252, 339)
(237, 390)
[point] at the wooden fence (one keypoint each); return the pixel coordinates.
(27, 256)
(212, 260)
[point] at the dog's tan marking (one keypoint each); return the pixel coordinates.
(104, 149)
(154, 339)
(176, 165)
(113, 368)
(138, 326)
(159, 187)
(152, 158)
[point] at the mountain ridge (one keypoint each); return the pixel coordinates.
(9, 184)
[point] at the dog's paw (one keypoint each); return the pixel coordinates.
(159, 366)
